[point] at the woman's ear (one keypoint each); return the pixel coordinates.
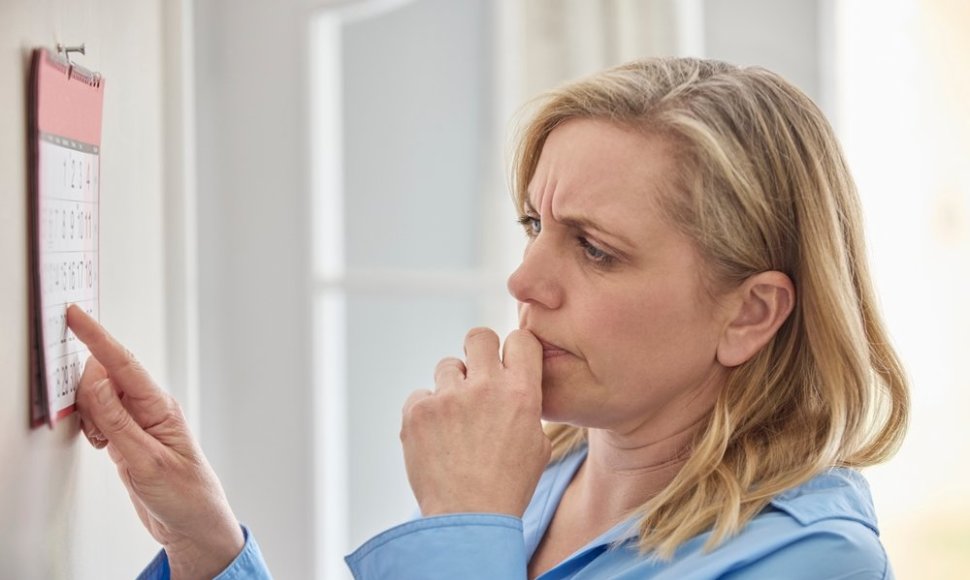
(760, 305)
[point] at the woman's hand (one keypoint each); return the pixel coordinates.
(476, 443)
(175, 491)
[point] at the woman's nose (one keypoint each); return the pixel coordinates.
(536, 280)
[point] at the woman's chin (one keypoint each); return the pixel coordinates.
(554, 409)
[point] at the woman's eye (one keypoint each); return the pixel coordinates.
(595, 254)
(532, 225)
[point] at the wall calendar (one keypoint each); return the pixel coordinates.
(65, 102)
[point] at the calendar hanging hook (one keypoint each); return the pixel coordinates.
(67, 50)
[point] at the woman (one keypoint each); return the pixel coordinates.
(697, 325)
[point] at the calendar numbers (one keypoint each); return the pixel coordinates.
(69, 169)
(68, 223)
(67, 220)
(67, 375)
(74, 174)
(68, 217)
(69, 277)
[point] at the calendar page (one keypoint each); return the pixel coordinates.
(68, 234)
(65, 188)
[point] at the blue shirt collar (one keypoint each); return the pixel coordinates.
(836, 493)
(552, 485)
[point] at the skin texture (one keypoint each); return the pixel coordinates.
(174, 490)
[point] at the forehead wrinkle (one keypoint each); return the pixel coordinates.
(617, 184)
(576, 221)
(551, 194)
(534, 190)
(567, 193)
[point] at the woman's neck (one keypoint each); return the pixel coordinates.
(622, 472)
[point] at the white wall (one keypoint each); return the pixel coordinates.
(63, 510)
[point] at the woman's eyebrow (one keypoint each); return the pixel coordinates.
(586, 224)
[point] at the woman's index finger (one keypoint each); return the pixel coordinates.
(101, 344)
(114, 357)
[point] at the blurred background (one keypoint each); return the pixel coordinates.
(320, 209)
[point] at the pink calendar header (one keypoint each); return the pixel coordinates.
(67, 107)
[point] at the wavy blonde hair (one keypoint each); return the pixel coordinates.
(761, 185)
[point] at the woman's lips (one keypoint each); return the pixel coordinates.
(551, 351)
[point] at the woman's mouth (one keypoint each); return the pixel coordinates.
(551, 351)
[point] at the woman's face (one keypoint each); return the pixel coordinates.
(612, 289)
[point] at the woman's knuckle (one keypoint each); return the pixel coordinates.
(518, 334)
(116, 421)
(420, 411)
(481, 333)
(158, 461)
(173, 413)
(446, 365)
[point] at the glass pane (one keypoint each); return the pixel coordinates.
(415, 105)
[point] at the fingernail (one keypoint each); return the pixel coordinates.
(97, 439)
(104, 392)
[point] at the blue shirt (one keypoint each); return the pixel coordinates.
(825, 528)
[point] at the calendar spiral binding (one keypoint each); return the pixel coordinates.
(62, 60)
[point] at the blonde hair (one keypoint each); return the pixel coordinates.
(761, 185)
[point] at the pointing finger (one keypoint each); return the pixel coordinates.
(124, 370)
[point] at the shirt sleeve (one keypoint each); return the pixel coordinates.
(467, 546)
(248, 565)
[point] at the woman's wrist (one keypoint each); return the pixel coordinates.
(205, 559)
